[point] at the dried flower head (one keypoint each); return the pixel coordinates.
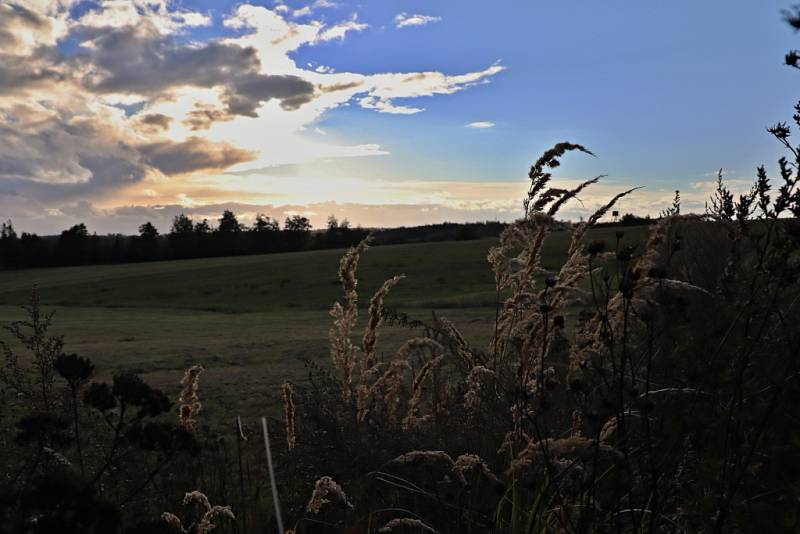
(460, 343)
(173, 521)
(348, 266)
(206, 523)
(326, 490)
(188, 401)
(477, 377)
(469, 462)
(198, 497)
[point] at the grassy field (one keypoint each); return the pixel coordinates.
(252, 321)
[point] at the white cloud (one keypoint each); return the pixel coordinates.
(309, 9)
(338, 31)
(480, 125)
(143, 113)
(403, 20)
(302, 12)
(386, 106)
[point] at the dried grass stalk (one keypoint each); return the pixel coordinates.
(188, 402)
(343, 351)
(413, 418)
(288, 412)
(375, 320)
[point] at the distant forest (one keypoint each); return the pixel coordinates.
(199, 239)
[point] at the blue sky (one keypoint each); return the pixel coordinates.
(661, 93)
(664, 93)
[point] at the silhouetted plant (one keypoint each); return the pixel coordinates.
(76, 371)
(34, 383)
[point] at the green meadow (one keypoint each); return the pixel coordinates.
(253, 321)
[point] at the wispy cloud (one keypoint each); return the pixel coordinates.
(480, 125)
(403, 20)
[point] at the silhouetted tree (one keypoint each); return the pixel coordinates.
(264, 235)
(34, 253)
(10, 246)
(297, 223)
(226, 237)
(148, 231)
(147, 243)
(118, 249)
(228, 223)
(202, 233)
(73, 246)
(333, 223)
(181, 239)
(296, 229)
(265, 224)
(181, 226)
(202, 227)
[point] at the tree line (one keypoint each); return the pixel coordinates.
(188, 238)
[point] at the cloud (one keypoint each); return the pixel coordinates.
(306, 10)
(157, 120)
(55, 154)
(385, 105)
(339, 31)
(193, 155)
(249, 92)
(204, 116)
(403, 20)
(387, 87)
(123, 101)
(480, 125)
(158, 14)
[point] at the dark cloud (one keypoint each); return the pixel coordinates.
(66, 158)
(14, 16)
(39, 69)
(247, 92)
(80, 209)
(113, 170)
(194, 154)
(202, 118)
(158, 120)
(14, 13)
(138, 60)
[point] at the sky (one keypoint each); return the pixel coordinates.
(384, 112)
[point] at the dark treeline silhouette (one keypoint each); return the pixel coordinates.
(189, 238)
